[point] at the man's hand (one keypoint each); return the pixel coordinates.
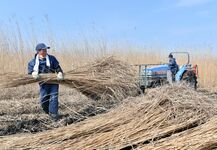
(35, 75)
(60, 76)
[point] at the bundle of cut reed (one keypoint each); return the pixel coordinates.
(174, 117)
(105, 78)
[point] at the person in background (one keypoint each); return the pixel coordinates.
(43, 63)
(173, 69)
(173, 66)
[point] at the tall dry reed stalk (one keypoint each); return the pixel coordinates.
(16, 51)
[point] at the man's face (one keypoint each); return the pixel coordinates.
(42, 52)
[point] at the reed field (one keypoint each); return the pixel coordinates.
(15, 58)
(99, 103)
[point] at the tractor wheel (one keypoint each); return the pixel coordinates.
(190, 78)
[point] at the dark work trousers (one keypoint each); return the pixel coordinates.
(49, 98)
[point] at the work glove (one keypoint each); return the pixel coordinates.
(60, 76)
(35, 75)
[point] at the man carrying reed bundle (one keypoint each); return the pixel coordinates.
(43, 63)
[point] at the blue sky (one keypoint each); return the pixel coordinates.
(167, 23)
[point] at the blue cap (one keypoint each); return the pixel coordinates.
(41, 46)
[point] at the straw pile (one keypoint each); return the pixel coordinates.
(200, 138)
(105, 78)
(168, 117)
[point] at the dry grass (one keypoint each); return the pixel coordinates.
(203, 137)
(167, 113)
(174, 113)
(166, 118)
(20, 111)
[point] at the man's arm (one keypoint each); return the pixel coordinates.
(57, 67)
(31, 66)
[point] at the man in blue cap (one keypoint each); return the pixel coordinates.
(43, 63)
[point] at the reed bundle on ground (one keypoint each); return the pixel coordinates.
(203, 137)
(176, 114)
(105, 78)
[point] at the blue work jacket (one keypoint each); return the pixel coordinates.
(43, 68)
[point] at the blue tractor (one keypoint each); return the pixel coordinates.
(152, 75)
